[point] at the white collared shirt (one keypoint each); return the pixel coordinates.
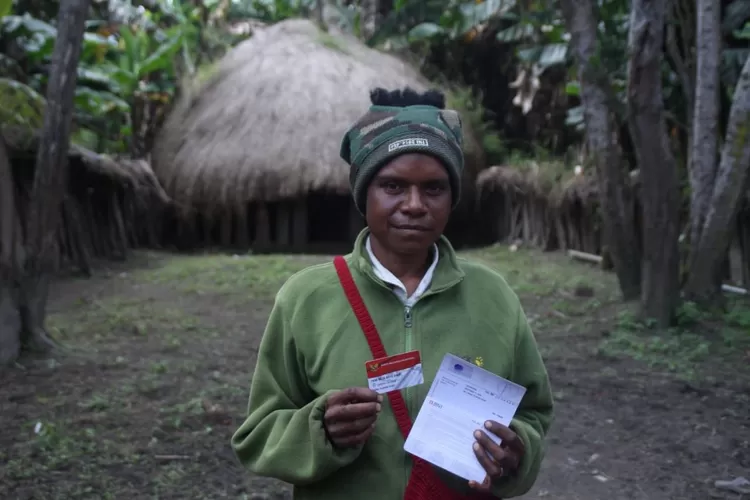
(398, 287)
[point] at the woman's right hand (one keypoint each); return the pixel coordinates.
(350, 416)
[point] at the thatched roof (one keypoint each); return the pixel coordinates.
(505, 178)
(566, 190)
(530, 178)
(268, 123)
(581, 189)
(135, 173)
(550, 181)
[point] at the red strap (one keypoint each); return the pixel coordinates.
(373, 338)
(424, 484)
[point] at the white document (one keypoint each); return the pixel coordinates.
(462, 397)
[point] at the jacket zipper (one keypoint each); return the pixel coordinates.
(408, 323)
(407, 317)
(408, 340)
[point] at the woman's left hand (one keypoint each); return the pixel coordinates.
(497, 460)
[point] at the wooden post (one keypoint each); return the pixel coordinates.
(283, 224)
(262, 227)
(79, 238)
(299, 225)
(121, 236)
(243, 239)
(226, 227)
(587, 257)
(208, 225)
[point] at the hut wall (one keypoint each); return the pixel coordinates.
(101, 216)
(318, 223)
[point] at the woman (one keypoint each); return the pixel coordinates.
(333, 443)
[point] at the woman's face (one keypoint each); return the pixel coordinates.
(409, 203)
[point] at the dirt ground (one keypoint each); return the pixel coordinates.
(158, 355)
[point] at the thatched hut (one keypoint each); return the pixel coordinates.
(109, 204)
(251, 155)
(519, 199)
(553, 209)
(545, 205)
(574, 205)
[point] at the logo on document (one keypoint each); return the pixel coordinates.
(373, 366)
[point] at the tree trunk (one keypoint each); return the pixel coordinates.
(10, 318)
(615, 193)
(50, 177)
(726, 196)
(704, 141)
(660, 194)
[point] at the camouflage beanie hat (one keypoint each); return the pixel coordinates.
(386, 132)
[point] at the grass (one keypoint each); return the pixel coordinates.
(534, 273)
(244, 276)
(696, 338)
(552, 281)
(115, 316)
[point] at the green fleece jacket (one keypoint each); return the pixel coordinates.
(313, 346)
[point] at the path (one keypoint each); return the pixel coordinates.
(146, 404)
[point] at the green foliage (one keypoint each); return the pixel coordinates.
(735, 16)
(422, 21)
(688, 314)
(125, 64)
(538, 34)
(20, 105)
(273, 11)
(472, 111)
(6, 7)
(544, 56)
(735, 28)
(425, 31)
(698, 335)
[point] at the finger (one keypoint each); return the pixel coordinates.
(497, 453)
(355, 394)
(483, 486)
(510, 438)
(354, 440)
(340, 429)
(351, 412)
(490, 466)
(506, 459)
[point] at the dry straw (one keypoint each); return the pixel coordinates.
(135, 173)
(505, 178)
(528, 178)
(268, 123)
